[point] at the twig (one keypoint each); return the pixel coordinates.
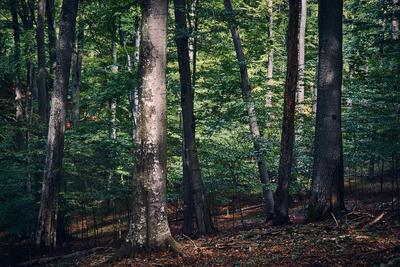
(333, 215)
(194, 244)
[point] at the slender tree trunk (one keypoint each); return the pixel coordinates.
(192, 170)
(149, 225)
(268, 102)
(287, 138)
(133, 95)
(76, 74)
(194, 26)
(51, 32)
(47, 221)
(19, 101)
(113, 102)
(327, 175)
(248, 99)
(395, 21)
(371, 167)
(302, 34)
(41, 55)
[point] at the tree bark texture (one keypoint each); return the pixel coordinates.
(326, 189)
(268, 102)
(287, 137)
(149, 225)
(302, 34)
(47, 221)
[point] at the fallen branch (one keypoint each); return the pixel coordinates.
(42, 261)
(377, 219)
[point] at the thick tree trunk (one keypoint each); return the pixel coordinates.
(51, 32)
(302, 33)
(41, 55)
(76, 75)
(192, 172)
(47, 222)
(268, 102)
(287, 137)
(255, 132)
(19, 95)
(149, 225)
(326, 190)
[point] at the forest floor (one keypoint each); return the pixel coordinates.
(369, 235)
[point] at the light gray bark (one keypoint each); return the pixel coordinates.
(268, 102)
(149, 225)
(302, 33)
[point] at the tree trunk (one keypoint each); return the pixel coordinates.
(51, 32)
(302, 33)
(287, 137)
(19, 102)
(149, 225)
(76, 78)
(255, 132)
(395, 21)
(41, 54)
(326, 196)
(133, 95)
(47, 221)
(192, 172)
(268, 102)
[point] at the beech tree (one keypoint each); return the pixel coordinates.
(47, 222)
(287, 137)
(327, 177)
(149, 224)
(302, 34)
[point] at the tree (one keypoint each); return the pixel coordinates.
(302, 33)
(287, 137)
(327, 176)
(248, 99)
(149, 225)
(41, 55)
(268, 102)
(76, 73)
(47, 221)
(51, 33)
(193, 183)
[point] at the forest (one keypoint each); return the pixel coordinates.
(199, 133)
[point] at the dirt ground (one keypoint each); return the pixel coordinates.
(369, 235)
